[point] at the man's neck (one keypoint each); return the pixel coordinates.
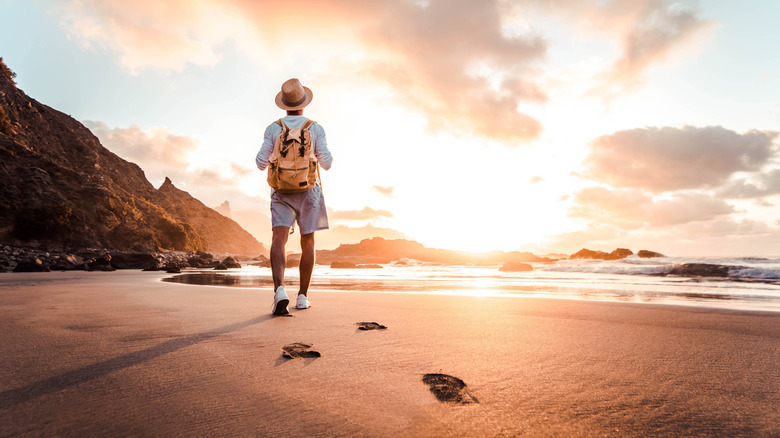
(295, 113)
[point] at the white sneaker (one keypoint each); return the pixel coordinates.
(302, 302)
(280, 302)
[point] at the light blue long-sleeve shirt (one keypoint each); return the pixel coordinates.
(319, 143)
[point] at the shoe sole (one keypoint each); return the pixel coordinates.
(281, 307)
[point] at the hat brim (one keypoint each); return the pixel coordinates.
(280, 104)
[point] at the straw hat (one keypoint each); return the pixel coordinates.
(293, 96)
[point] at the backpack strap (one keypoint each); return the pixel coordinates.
(307, 124)
(304, 129)
(283, 135)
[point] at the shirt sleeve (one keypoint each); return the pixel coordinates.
(321, 150)
(267, 149)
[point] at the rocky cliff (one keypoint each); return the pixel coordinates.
(62, 189)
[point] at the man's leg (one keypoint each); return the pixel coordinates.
(278, 257)
(307, 262)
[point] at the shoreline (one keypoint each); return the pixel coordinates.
(124, 353)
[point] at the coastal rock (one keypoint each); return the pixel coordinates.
(645, 254)
(620, 253)
(173, 270)
(589, 255)
(231, 263)
(700, 270)
(100, 263)
(66, 263)
(220, 267)
(59, 266)
(34, 265)
(516, 267)
(151, 268)
(204, 255)
(122, 260)
(197, 262)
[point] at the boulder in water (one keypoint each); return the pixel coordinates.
(620, 253)
(516, 267)
(645, 254)
(230, 262)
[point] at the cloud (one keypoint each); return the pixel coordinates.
(149, 33)
(459, 69)
(644, 31)
(760, 185)
(157, 151)
(162, 154)
(367, 213)
(387, 191)
(668, 159)
(632, 209)
(535, 180)
(659, 28)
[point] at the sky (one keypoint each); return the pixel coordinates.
(543, 126)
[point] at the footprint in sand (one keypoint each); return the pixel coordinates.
(298, 350)
(369, 326)
(449, 389)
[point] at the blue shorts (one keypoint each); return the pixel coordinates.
(307, 208)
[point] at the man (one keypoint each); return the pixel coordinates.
(307, 208)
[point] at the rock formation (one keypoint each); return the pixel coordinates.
(379, 250)
(619, 253)
(223, 209)
(516, 267)
(62, 189)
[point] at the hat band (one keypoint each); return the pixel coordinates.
(284, 101)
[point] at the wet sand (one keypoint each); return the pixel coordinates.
(122, 353)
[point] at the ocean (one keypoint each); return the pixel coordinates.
(752, 283)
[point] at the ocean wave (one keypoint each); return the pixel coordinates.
(745, 268)
(754, 273)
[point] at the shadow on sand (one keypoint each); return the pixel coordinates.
(90, 372)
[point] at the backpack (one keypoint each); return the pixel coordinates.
(292, 167)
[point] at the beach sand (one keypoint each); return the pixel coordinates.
(121, 353)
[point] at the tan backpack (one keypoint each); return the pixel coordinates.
(292, 167)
